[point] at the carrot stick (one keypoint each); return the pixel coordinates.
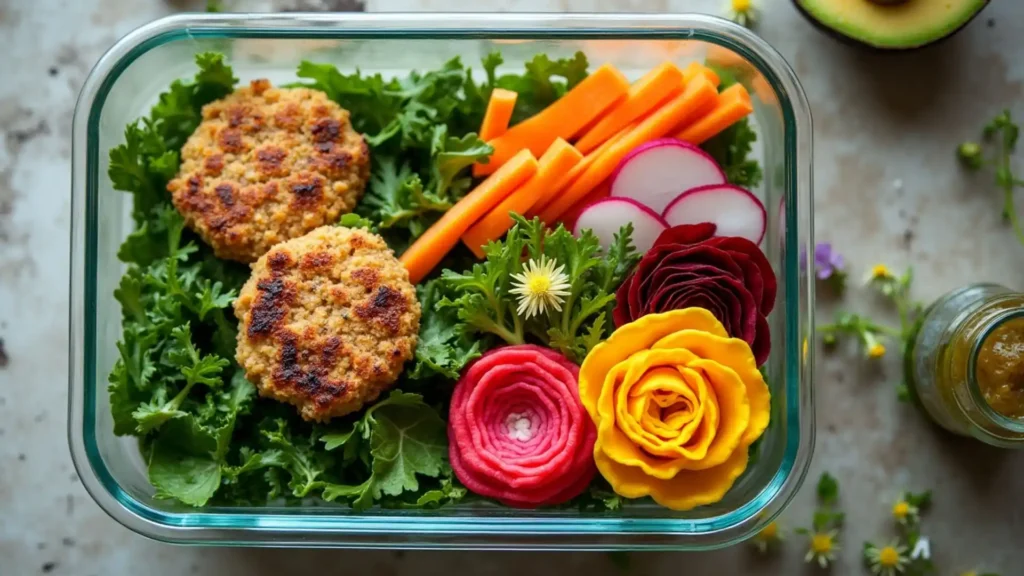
(733, 104)
(573, 174)
(695, 100)
(711, 76)
(428, 250)
(498, 113)
(696, 69)
(644, 95)
(564, 118)
(559, 159)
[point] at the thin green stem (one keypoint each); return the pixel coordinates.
(517, 325)
(1007, 185)
(879, 329)
(506, 334)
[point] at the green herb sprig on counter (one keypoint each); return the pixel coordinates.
(874, 335)
(1000, 139)
(828, 520)
(909, 552)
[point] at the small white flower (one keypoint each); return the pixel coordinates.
(742, 12)
(887, 560)
(922, 549)
(767, 537)
(823, 548)
(540, 286)
(905, 513)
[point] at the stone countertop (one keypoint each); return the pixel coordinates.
(887, 189)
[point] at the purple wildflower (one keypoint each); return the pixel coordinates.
(826, 261)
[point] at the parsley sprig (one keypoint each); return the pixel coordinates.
(1000, 142)
(484, 306)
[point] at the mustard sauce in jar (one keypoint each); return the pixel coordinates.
(965, 364)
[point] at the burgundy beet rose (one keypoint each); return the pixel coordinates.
(690, 267)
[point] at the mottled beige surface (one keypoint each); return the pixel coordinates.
(887, 189)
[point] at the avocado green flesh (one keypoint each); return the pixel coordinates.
(908, 24)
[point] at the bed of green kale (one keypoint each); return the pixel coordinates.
(206, 438)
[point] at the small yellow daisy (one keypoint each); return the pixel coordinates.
(742, 12)
(880, 272)
(887, 560)
(768, 536)
(904, 512)
(540, 286)
(823, 548)
(873, 347)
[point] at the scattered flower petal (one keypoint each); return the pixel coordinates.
(922, 549)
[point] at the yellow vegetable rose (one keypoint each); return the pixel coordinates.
(677, 402)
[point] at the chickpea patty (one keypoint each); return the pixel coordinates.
(267, 165)
(327, 321)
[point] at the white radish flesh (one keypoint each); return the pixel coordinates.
(656, 173)
(606, 217)
(735, 211)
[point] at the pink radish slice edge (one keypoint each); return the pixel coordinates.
(735, 211)
(656, 172)
(607, 216)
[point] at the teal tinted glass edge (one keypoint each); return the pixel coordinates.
(452, 524)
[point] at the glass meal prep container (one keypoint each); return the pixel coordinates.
(126, 82)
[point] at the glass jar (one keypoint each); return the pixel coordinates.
(966, 363)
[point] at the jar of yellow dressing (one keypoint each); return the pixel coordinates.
(965, 363)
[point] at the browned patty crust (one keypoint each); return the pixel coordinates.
(267, 165)
(327, 321)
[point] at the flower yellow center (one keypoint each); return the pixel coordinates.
(539, 284)
(888, 557)
(900, 509)
(821, 543)
(770, 531)
(880, 271)
(741, 5)
(876, 350)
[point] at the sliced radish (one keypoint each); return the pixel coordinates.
(605, 218)
(655, 173)
(735, 211)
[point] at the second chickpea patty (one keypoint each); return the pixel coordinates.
(327, 321)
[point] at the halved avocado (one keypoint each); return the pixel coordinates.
(891, 24)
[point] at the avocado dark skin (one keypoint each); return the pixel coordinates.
(852, 41)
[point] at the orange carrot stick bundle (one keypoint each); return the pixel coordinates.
(429, 249)
(553, 165)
